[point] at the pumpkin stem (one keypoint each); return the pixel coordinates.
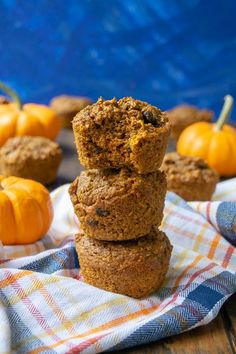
(225, 112)
(11, 93)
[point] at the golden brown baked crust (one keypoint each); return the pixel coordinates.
(118, 204)
(183, 115)
(135, 268)
(125, 133)
(66, 107)
(189, 177)
(30, 157)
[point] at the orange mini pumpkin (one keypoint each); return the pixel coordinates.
(215, 143)
(28, 119)
(25, 211)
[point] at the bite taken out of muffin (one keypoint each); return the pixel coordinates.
(121, 133)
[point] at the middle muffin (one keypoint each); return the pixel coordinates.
(118, 204)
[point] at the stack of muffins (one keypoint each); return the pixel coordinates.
(119, 198)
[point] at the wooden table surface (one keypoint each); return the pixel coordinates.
(218, 337)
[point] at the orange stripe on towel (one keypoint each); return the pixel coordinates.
(191, 265)
(214, 245)
(106, 326)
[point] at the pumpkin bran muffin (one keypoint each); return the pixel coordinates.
(118, 204)
(124, 133)
(135, 268)
(184, 115)
(189, 177)
(35, 158)
(66, 107)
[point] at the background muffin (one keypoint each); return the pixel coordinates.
(189, 177)
(135, 268)
(66, 107)
(125, 133)
(30, 157)
(118, 204)
(183, 115)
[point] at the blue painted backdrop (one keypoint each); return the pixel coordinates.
(162, 51)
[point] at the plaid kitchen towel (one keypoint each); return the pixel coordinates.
(45, 307)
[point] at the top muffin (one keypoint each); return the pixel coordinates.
(124, 133)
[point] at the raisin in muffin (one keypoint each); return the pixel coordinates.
(189, 177)
(125, 133)
(118, 204)
(135, 268)
(184, 115)
(66, 107)
(30, 157)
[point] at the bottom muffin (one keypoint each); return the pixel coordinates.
(135, 268)
(189, 177)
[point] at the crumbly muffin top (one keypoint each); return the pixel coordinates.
(186, 114)
(187, 169)
(69, 104)
(110, 183)
(21, 148)
(121, 116)
(120, 254)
